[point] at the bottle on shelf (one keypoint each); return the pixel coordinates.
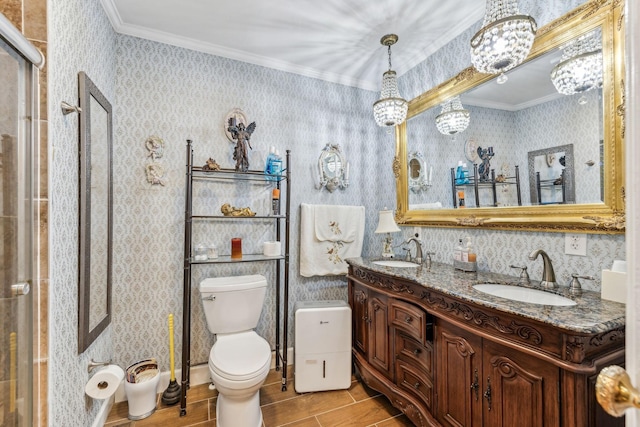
(276, 166)
(275, 201)
(460, 198)
(267, 164)
(459, 174)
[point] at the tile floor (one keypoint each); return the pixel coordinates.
(358, 406)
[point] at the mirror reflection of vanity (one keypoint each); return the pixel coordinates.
(94, 284)
(523, 123)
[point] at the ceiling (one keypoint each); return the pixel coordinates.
(333, 40)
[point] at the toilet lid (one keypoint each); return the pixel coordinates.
(240, 356)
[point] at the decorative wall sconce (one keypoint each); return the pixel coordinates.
(580, 69)
(505, 39)
(333, 169)
(419, 178)
(391, 108)
(453, 118)
(387, 224)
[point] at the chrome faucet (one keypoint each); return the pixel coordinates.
(548, 276)
(418, 258)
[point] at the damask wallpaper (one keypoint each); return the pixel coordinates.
(80, 39)
(178, 94)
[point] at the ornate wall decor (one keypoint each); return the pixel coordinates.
(155, 174)
(154, 169)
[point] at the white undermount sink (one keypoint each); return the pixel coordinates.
(395, 263)
(517, 293)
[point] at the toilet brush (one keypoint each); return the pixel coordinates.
(171, 395)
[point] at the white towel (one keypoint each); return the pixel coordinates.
(328, 235)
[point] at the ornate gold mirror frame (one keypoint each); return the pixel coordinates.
(606, 217)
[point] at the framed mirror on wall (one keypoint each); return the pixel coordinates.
(515, 119)
(95, 250)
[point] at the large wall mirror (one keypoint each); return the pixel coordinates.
(574, 142)
(94, 284)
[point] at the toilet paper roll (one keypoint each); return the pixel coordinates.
(272, 248)
(104, 383)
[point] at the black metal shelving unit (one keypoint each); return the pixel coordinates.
(476, 184)
(282, 285)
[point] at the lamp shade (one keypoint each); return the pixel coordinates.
(386, 223)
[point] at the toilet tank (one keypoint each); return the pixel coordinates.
(233, 304)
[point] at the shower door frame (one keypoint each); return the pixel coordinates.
(20, 247)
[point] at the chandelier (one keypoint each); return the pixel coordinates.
(580, 68)
(391, 108)
(453, 118)
(505, 39)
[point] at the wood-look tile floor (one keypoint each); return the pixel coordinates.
(358, 406)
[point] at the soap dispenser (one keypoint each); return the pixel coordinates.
(471, 255)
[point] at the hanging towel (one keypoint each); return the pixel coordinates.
(328, 235)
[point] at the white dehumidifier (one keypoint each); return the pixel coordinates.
(322, 345)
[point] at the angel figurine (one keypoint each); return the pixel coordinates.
(242, 136)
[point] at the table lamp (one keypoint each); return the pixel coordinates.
(386, 224)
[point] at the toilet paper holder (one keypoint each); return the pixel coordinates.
(93, 364)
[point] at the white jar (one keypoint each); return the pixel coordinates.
(200, 253)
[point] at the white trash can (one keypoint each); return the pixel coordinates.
(141, 388)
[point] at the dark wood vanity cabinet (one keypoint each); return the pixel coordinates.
(481, 383)
(445, 361)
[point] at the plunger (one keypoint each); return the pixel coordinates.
(171, 395)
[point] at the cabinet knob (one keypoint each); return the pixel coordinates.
(416, 351)
(416, 385)
(408, 319)
(614, 391)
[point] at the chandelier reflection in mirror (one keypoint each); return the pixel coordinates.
(391, 108)
(580, 69)
(505, 39)
(453, 118)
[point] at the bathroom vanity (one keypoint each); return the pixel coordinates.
(447, 354)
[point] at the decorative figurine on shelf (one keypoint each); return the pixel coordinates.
(485, 167)
(242, 136)
(228, 210)
(211, 165)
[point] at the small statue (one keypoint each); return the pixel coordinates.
(483, 170)
(211, 165)
(228, 210)
(242, 136)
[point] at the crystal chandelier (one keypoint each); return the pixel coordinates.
(453, 118)
(505, 39)
(391, 108)
(580, 68)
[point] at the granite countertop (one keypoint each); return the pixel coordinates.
(591, 314)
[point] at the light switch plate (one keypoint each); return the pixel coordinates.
(575, 244)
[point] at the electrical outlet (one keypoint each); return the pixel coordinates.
(575, 244)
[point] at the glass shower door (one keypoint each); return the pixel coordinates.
(16, 238)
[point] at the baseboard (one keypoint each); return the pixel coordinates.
(199, 375)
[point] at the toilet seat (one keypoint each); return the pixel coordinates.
(241, 356)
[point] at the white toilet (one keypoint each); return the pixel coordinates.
(240, 359)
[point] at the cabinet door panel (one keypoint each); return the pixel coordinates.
(524, 390)
(360, 320)
(458, 362)
(379, 344)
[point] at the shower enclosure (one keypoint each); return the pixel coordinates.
(18, 118)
